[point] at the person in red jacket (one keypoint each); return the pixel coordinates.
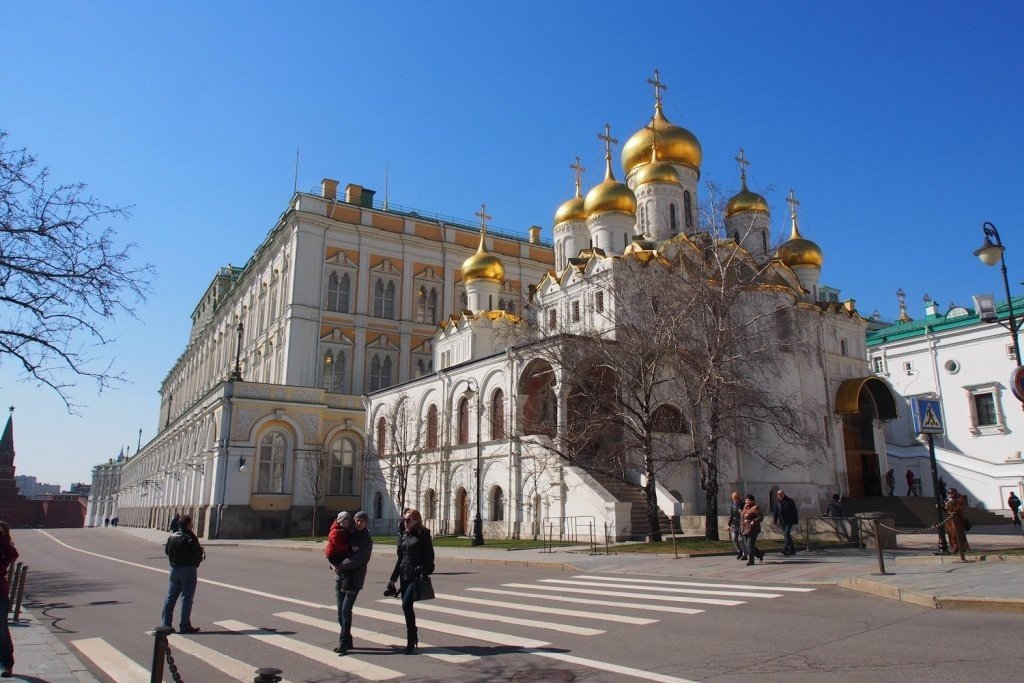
(8, 554)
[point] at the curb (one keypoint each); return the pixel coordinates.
(43, 657)
(884, 590)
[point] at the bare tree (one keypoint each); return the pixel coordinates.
(404, 443)
(62, 276)
(315, 467)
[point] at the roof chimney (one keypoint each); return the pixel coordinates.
(329, 188)
(534, 234)
(353, 193)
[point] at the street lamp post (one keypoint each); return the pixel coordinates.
(989, 253)
(478, 520)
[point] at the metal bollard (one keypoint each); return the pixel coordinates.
(878, 545)
(672, 530)
(12, 583)
(10, 577)
(606, 552)
(21, 592)
(160, 634)
(267, 675)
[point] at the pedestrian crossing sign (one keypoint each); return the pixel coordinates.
(927, 416)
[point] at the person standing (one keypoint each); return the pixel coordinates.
(1014, 502)
(751, 519)
(956, 524)
(176, 523)
(835, 506)
(184, 554)
(415, 559)
(890, 482)
(735, 521)
(910, 483)
(349, 569)
(8, 554)
(787, 516)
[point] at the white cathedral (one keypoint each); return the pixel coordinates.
(464, 450)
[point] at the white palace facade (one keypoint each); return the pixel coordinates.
(342, 298)
(487, 395)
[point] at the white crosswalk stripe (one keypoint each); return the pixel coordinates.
(665, 589)
(614, 668)
(443, 654)
(454, 630)
(600, 616)
(349, 665)
(587, 601)
(238, 670)
(623, 594)
(486, 616)
(110, 660)
(695, 584)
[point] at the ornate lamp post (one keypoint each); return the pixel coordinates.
(989, 253)
(478, 521)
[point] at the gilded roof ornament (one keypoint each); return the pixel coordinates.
(745, 200)
(797, 251)
(483, 265)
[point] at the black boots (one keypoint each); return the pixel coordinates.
(344, 646)
(411, 641)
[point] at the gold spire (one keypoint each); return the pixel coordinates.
(573, 209)
(658, 87)
(797, 251)
(483, 265)
(901, 296)
(609, 194)
(676, 145)
(745, 200)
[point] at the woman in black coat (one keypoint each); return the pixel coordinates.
(415, 559)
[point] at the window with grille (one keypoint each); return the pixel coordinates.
(985, 410)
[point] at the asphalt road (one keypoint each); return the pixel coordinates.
(261, 606)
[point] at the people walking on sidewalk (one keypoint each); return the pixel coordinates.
(415, 560)
(184, 553)
(8, 554)
(735, 521)
(890, 482)
(1014, 502)
(751, 519)
(956, 524)
(176, 522)
(787, 516)
(348, 549)
(910, 483)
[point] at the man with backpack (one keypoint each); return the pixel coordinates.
(184, 554)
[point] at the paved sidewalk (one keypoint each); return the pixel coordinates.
(992, 581)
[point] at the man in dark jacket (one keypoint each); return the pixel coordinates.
(350, 575)
(184, 554)
(787, 516)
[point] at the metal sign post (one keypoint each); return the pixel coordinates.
(927, 414)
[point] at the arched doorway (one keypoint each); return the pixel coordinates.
(461, 511)
(860, 402)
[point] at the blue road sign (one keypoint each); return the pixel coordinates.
(927, 416)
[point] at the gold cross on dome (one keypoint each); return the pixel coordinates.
(742, 161)
(578, 169)
(658, 86)
(793, 202)
(608, 140)
(482, 215)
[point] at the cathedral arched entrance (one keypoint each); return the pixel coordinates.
(536, 388)
(860, 402)
(461, 511)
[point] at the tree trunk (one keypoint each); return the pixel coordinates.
(651, 493)
(312, 531)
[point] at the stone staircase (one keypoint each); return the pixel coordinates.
(631, 493)
(913, 512)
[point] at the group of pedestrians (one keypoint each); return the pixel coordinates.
(746, 518)
(348, 551)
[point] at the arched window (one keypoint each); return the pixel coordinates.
(422, 366)
(334, 371)
(270, 470)
(385, 373)
(344, 293)
(497, 504)
(421, 305)
(463, 421)
(389, 301)
(668, 419)
(463, 301)
(375, 373)
(430, 504)
(432, 426)
(382, 435)
(511, 306)
(343, 467)
(337, 293)
(672, 217)
(501, 304)
(764, 241)
(378, 505)
(498, 415)
(643, 218)
(378, 299)
(688, 209)
(736, 236)
(432, 305)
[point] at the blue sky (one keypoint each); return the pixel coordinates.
(896, 123)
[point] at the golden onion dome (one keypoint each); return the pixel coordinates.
(745, 200)
(676, 145)
(572, 210)
(609, 195)
(797, 251)
(657, 171)
(483, 265)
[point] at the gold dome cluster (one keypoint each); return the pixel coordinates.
(745, 200)
(657, 171)
(572, 210)
(676, 145)
(610, 195)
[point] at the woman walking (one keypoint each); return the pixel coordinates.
(348, 549)
(751, 527)
(415, 560)
(956, 526)
(8, 554)
(735, 521)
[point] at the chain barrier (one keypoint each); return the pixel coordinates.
(171, 665)
(926, 530)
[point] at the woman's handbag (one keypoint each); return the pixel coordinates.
(424, 588)
(967, 524)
